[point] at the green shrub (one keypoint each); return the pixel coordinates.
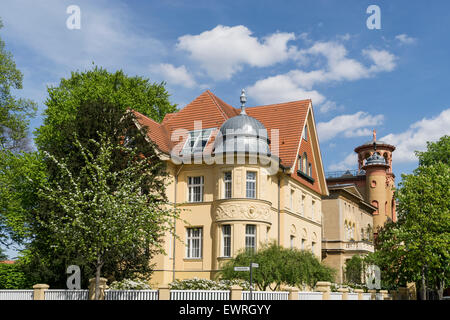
(12, 277)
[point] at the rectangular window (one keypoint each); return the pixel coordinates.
(313, 244)
(310, 170)
(251, 185)
(303, 244)
(196, 141)
(292, 241)
(250, 238)
(227, 184)
(305, 132)
(226, 240)
(313, 204)
(194, 243)
(195, 189)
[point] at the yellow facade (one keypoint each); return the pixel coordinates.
(281, 212)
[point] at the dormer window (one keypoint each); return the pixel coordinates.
(196, 141)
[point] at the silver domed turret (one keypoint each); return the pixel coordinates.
(242, 133)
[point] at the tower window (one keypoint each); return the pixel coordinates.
(375, 204)
(227, 180)
(250, 238)
(251, 185)
(226, 240)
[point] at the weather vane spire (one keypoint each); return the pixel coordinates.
(243, 101)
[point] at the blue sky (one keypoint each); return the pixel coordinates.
(395, 79)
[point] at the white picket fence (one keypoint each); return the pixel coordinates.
(307, 295)
(265, 295)
(16, 294)
(61, 294)
(199, 295)
(131, 295)
(335, 296)
(352, 296)
(367, 296)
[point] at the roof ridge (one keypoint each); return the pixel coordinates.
(278, 104)
(213, 96)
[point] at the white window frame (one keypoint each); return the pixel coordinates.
(228, 183)
(226, 239)
(198, 136)
(191, 188)
(250, 182)
(250, 238)
(192, 251)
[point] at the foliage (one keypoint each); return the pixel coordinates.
(21, 174)
(89, 102)
(354, 270)
(130, 284)
(278, 265)
(14, 112)
(206, 284)
(416, 248)
(12, 277)
(104, 216)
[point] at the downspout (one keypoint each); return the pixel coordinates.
(175, 223)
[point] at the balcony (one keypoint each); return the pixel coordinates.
(359, 246)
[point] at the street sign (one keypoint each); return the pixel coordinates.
(255, 265)
(241, 268)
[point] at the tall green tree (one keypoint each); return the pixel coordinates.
(89, 105)
(74, 106)
(14, 112)
(103, 214)
(416, 248)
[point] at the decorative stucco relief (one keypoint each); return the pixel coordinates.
(242, 211)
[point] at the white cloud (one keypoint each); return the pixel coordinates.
(349, 125)
(174, 75)
(328, 106)
(348, 163)
(405, 39)
(299, 84)
(281, 88)
(417, 135)
(224, 50)
(107, 35)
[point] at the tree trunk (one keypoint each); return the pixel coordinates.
(97, 278)
(424, 285)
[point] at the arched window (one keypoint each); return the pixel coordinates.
(305, 132)
(375, 204)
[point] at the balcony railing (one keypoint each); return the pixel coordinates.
(340, 174)
(360, 246)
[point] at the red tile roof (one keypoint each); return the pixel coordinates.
(7, 262)
(287, 117)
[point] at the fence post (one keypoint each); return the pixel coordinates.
(373, 294)
(360, 293)
(235, 292)
(39, 291)
(102, 288)
(393, 294)
(325, 288)
(344, 292)
(164, 292)
(293, 293)
(385, 295)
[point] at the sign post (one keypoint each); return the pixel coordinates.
(252, 265)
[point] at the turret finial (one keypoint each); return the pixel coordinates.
(374, 135)
(243, 101)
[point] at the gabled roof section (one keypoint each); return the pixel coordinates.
(288, 118)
